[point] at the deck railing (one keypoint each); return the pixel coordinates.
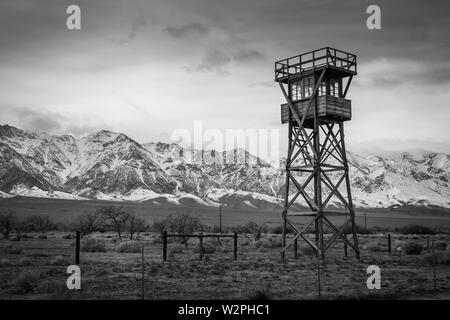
(313, 60)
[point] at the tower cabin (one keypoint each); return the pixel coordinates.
(301, 73)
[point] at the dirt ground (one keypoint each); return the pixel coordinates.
(35, 268)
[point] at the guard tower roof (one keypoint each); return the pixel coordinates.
(341, 63)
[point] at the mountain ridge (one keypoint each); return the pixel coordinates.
(112, 166)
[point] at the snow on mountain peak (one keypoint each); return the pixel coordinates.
(110, 165)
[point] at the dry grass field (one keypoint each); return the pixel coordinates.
(35, 268)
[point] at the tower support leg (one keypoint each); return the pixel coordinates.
(316, 178)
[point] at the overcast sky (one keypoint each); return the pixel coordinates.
(148, 67)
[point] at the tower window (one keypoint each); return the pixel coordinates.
(295, 91)
(334, 87)
(307, 87)
(323, 88)
(302, 89)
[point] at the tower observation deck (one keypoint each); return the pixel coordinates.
(299, 72)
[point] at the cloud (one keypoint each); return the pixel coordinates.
(439, 75)
(187, 31)
(86, 75)
(265, 84)
(48, 121)
(248, 55)
(383, 73)
(37, 120)
(383, 81)
(386, 147)
(84, 129)
(213, 61)
(216, 60)
(138, 23)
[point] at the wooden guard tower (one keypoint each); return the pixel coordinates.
(315, 85)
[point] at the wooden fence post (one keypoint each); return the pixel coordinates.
(434, 265)
(77, 248)
(201, 247)
(165, 246)
(295, 248)
(365, 222)
(143, 276)
(235, 245)
(389, 244)
(318, 278)
(345, 249)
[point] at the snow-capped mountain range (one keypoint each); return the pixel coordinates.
(111, 166)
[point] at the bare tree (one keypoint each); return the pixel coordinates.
(89, 222)
(39, 223)
(256, 230)
(185, 223)
(182, 223)
(19, 227)
(7, 222)
(136, 225)
(115, 217)
(160, 226)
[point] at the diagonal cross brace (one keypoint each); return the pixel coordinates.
(299, 233)
(312, 204)
(339, 233)
(300, 191)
